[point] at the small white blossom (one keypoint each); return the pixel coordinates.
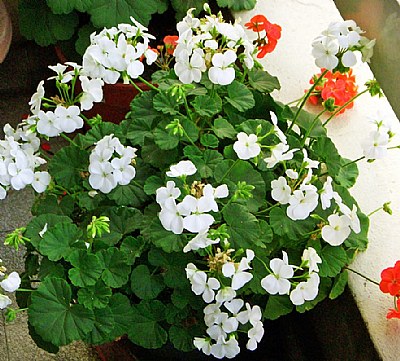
(305, 291)
(4, 301)
(11, 283)
(183, 168)
(222, 71)
(278, 281)
(311, 256)
(337, 231)
(246, 147)
(280, 190)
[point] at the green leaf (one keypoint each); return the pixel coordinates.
(128, 195)
(152, 184)
(67, 164)
(209, 140)
(49, 203)
(348, 173)
(116, 272)
(277, 306)
(37, 22)
(237, 5)
(165, 103)
(168, 241)
(86, 270)
(207, 164)
(164, 139)
(243, 226)
(103, 325)
(55, 318)
(123, 314)
(65, 7)
(181, 338)
(132, 248)
(339, 285)
(191, 130)
(60, 241)
(145, 329)
(108, 13)
(181, 7)
(124, 220)
(262, 81)
(83, 41)
(207, 106)
(50, 269)
(97, 296)
(223, 129)
(145, 285)
(37, 224)
(152, 154)
(359, 241)
(239, 96)
(139, 129)
(142, 107)
(333, 260)
(306, 120)
(44, 345)
(96, 133)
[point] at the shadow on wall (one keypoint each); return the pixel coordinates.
(5, 31)
(381, 20)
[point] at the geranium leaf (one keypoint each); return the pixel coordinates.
(145, 285)
(97, 296)
(164, 139)
(166, 104)
(123, 314)
(60, 241)
(48, 28)
(207, 164)
(359, 241)
(55, 318)
(152, 184)
(108, 13)
(50, 269)
(262, 81)
(49, 203)
(347, 174)
(306, 120)
(339, 285)
(132, 248)
(83, 41)
(67, 164)
(116, 270)
(277, 306)
(209, 140)
(152, 154)
(44, 345)
(181, 338)
(142, 108)
(96, 133)
(103, 325)
(65, 7)
(191, 131)
(223, 129)
(207, 106)
(124, 220)
(86, 270)
(181, 7)
(145, 330)
(240, 97)
(130, 194)
(333, 260)
(237, 5)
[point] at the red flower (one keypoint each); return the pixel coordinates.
(170, 42)
(394, 312)
(257, 23)
(390, 282)
(45, 146)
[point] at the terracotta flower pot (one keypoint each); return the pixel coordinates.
(5, 31)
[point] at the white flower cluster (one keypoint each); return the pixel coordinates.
(338, 43)
(118, 51)
(210, 44)
(376, 147)
(111, 164)
(224, 317)
(19, 159)
(279, 281)
(192, 212)
(9, 284)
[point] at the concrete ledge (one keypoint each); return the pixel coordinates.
(379, 182)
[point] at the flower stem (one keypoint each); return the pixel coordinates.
(229, 170)
(135, 86)
(353, 161)
(309, 130)
(363, 276)
(151, 86)
(62, 135)
(305, 99)
(343, 106)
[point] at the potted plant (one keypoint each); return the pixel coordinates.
(209, 209)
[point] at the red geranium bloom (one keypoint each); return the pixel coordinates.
(257, 23)
(394, 312)
(390, 282)
(46, 146)
(170, 42)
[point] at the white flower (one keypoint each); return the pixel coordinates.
(280, 190)
(4, 301)
(41, 181)
(164, 193)
(183, 168)
(11, 283)
(354, 221)
(278, 131)
(102, 177)
(302, 203)
(326, 193)
(349, 59)
(324, 52)
(171, 216)
(200, 241)
(311, 256)
(212, 314)
(189, 68)
(203, 344)
(204, 287)
(279, 153)
(47, 124)
(68, 119)
(123, 171)
(223, 348)
(255, 334)
(305, 291)
(36, 99)
(246, 147)
(251, 314)
(92, 92)
(3, 192)
(238, 271)
(198, 220)
(337, 231)
(225, 294)
(376, 146)
(278, 282)
(222, 71)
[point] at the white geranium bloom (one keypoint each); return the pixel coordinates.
(225, 294)
(190, 269)
(278, 282)
(349, 59)
(246, 147)
(221, 191)
(327, 193)
(41, 181)
(223, 348)
(200, 241)
(123, 171)
(212, 314)
(183, 168)
(164, 193)
(189, 67)
(337, 231)
(352, 217)
(92, 92)
(20, 172)
(47, 124)
(324, 52)
(3, 192)
(36, 99)
(222, 71)
(11, 283)
(292, 174)
(171, 216)
(234, 306)
(280, 190)
(255, 334)
(311, 256)
(278, 131)
(305, 291)
(238, 271)
(251, 314)
(101, 176)
(198, 220)
(203, 344)
(302, 203)
(68, 119)
(4, 301)
(279, 153)
(205, 287)
(376, 146)
(309, 163)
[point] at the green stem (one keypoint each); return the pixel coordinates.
(303, 102)
(44, 155)
(309, 130)
(265, 265)
(62, 135)
(353, 161)
(229, 170)
(151, 86)
(24, 290)
(135, 86)
(343, 106)
(375, 211)
(363, 276)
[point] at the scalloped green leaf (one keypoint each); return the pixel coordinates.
(262, 81)
(181, 7)
(103, 325)
(145, 285)
(237, 5)
(239, 96)
(55, 318)
(97, 296)
(132, 248)
(86, 270)
(333, 260)
(223, 129)
(123, 314)
(65, 7)
(207, 106)
(339, 285)
(277, 306)
(116, 272)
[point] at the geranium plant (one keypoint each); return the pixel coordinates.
(209, 209)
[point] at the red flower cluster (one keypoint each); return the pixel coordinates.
(267, 43)
(170, 42)
(390, 283)
(337, 86)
